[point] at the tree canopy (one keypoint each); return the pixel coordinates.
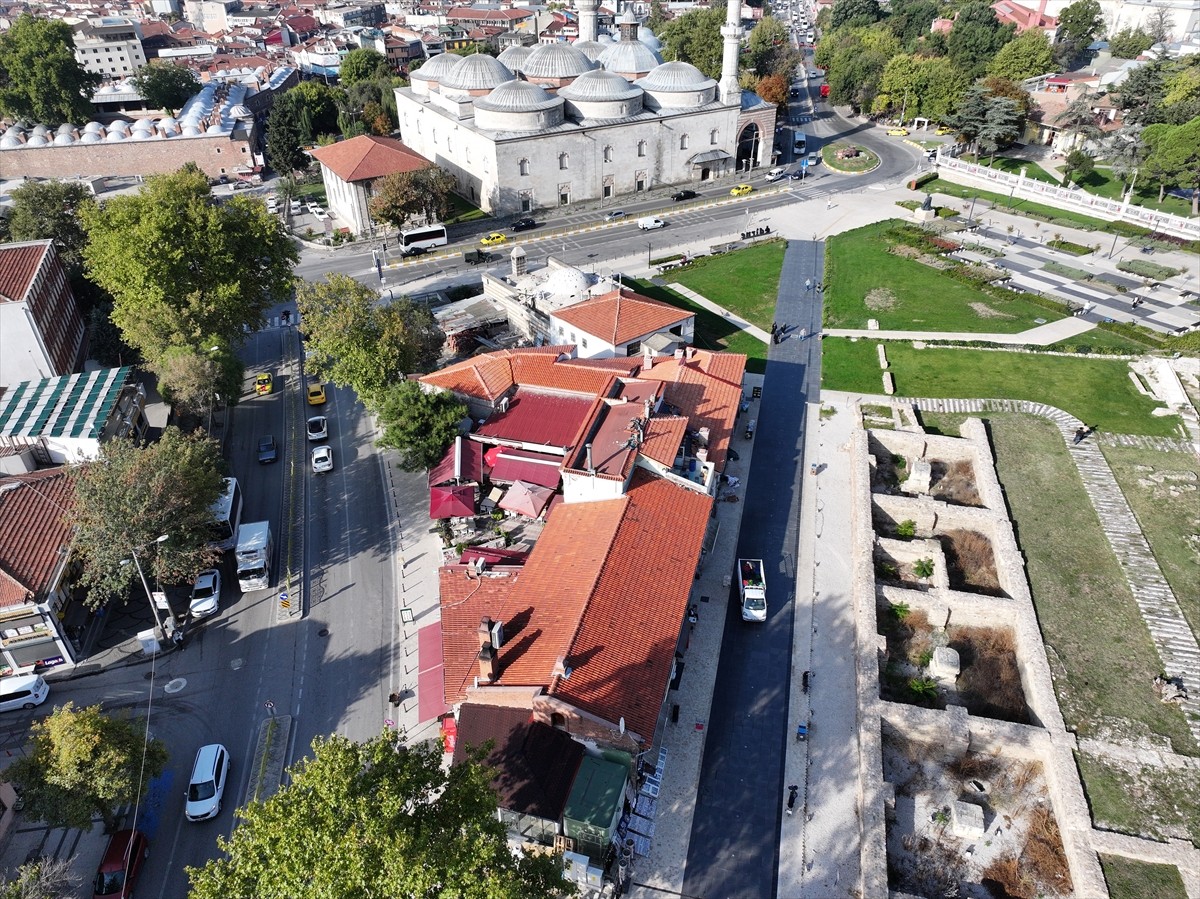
(1129, 43)
(854, 13)
(1173, 158)
(420, 194)
(376, 819)
(363, 64)
(165, 85)
(695, 37)
(1025, 56)
(977, 37)
(134, 494)
(769, 50)
(82, 763)
(44, 210)
(40, 79)
(357, 341)
(417, 424)
(183, 269)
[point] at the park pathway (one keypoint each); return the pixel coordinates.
(1173, 638)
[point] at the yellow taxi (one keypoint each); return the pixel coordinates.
(263, 383)
(316, 394)
(741, 190)
(944, 131)
(494, 238)
(897, 132)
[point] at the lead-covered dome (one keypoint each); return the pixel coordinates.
(432, 72)
(677, 85)
(476, 73)
(555, 61)
(518, 106)
(513, 56)
(630, 58)
(601, 95)
(590, 49)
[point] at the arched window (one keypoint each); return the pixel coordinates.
(523, 165)
(712, 136)
(563, 159)
(641, 148)
(683, 141)
(608, 154)
(558, 720)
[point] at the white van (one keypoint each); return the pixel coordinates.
(775, 174)
(24, 691)
(650, 222)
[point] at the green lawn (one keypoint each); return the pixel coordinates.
(1050, 213)
(1167, 802)
(1097, 644)
(1014, 166)
(1130, 879)
(1103, 183)
(746, 282)
(712, 331)
(925, 299)
(1097, 391)
(462, 211)
(1100, 340)
(1163, 489)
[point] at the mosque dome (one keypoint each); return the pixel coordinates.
(567, 282)
(93, 128)
(91, 137)
(115, 135)
(590, 49)
(556, 61)
(677, 85)
(630, 58)
(436, 67)
(119, 125)
(513, 56)
(66, 128)
(477, 72)
(518, 106)
(63, 140)
(40, 130)
(647, 37)
(600, 86)
(10, 141)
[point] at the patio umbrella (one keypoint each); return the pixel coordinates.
(452, 502)
(526, 499)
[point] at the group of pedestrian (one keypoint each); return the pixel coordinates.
(1137, 301)
(1081, 432)
(778, 332)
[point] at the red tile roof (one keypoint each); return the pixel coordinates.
(707, 389)
(621, 315)
(487, 376)
(522, 465)
(19, 264)
(538, 417)
(621, 656)
(663, 439)
(34, 532)
(366, 157)
(466, 456)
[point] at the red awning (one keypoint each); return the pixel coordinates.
(532, 468)
(462, 461)
(452, 502)
(526, 499)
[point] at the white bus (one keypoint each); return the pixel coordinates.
(425, 237)
(227, 514)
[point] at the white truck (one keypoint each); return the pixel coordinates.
(752, 581)
(254, 555)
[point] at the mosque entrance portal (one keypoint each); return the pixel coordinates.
(748, 147)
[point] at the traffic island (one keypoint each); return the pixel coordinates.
(270, 756)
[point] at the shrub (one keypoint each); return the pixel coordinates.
(1057, 268)
(921, 180)
(906, 528)
(1067, 246)
(923, 568)
(1147, 269)
(899, 610)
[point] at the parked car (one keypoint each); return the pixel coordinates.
(897, 132)
(321, 215)
(295, 207)
(524, 224)
(316, 394)
(684, 195)
(322, 459)
(263, 383)
(206, 787)
(120, 865)
(206, 594)
(943, 131)
(741, 190)
(614, 215)
(492, 239)
(318, 427)
(267, 451)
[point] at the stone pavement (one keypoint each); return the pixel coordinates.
(1042, 335)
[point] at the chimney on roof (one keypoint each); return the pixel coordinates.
(702, 435)
(691, 353)
(561, 668)
(702, 455)
(518, 262)
(485, 632)
(647, 358)
(489, 664)
(679, 355)
(502, 406)
(588, 450)
(646, 406)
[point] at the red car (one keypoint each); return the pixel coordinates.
(121, 865)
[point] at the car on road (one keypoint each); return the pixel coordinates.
(120, 865)
(492, 239)
(614, 215)
(941, 132)
(316, 394)
(524, 224)
(408, 252)
(318, 427)
(267, 451)
(775, 174)
(263, 383)
(242, 185)
(322, 459)
(813, 158)
(897, 132)
(206, 787)
(684, 195)
(741, 190)
(206, 594)
(797, 176)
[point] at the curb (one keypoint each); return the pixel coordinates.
(270, 753)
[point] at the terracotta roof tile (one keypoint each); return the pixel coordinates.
(34, 532)
(622, 655)
(621, 315)
(366, 157)
(538, 417)
(489, 376)
(707, 389)
(19, 263)
(664, 435)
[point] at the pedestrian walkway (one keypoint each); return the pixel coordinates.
(752, 330)
(1173, 638)
(1042, 335)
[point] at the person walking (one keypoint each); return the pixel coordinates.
(793, 789)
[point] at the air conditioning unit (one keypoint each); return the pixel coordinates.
(564, 844)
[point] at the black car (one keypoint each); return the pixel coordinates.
(525, 224)
(684, 195)
(266, 450)
(413, 251)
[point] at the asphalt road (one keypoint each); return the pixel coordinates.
(733, 850)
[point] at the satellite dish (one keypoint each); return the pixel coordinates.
(621, 724)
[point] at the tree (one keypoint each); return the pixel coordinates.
(418, 425)
(82, 763)
(165, 86)
(909, 20)
(289, 129)
(41, 878)
(1000, 124)
(770, 49)
(658, 16)
(1078, 165)
(1079, 119)
(40, 79)
(1079, 24)
(134, 494)
(357, 341)
(695, 37)
(378, 819)
(183, 269)
(104, 338)
(773, 89)
(977, 36)
(423, 193)
(363, 64)
(1173, 158)
(854, 13)
(194, 380)
(320, 102)
(1159, 24)
(1025, 56)
(49, 210)
(1123, 149)
(1129, 43)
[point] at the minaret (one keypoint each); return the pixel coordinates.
(731, 33)
(588, 15)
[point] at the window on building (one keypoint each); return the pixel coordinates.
(564, 199)
(608, 154)
(608, 191)
(639, 184)
(712, 137)
(683, 141)
(634, 348)
(523, 165)
(563, 160)
(641, 148)
(584, 343)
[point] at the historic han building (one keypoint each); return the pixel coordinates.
(556, 124)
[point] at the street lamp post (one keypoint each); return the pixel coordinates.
(648, 251)
(146, 586)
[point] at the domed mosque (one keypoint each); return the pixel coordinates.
(557, 124)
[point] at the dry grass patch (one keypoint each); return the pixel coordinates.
(983, 310)
(970, 563)
(880, 300)
(989, 685)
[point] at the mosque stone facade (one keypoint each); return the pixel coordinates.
(557, 124)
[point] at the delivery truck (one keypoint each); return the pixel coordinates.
(752, 580)
(254, 555)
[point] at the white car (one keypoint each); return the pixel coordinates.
(318, 427)
(321, 215)
(322, 459)
(206, 787)
(206, 594)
